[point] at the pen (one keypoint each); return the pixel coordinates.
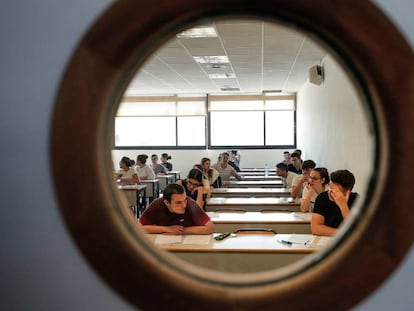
(291, 243)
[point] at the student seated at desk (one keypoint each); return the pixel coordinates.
(225, 170)
(318, 182)
(234, 159)
(175, 213)
(287, 176)
(333, 206)
(300, 181)
(127, 174)
(212, 175)
(195, 188)
(156, 167)
(296, 163)
(164, 159)
(144, 171)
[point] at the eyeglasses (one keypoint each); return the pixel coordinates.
(193, 184)
(314, 178)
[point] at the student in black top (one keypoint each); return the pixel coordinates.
(164, 159)
(194, 187)
(296, 163)
(333, 206)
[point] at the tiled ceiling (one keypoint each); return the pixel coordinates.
(262, 56)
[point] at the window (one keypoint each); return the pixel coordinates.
(249, 121)
(252, 121)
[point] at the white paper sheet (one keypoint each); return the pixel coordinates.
(168, 239)
(197, 239)
(305, 239)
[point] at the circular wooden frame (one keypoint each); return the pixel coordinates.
(96, 77)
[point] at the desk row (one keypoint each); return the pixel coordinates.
(241, 253)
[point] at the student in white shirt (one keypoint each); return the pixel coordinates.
(144, 171)
(225, 170)
(287, 176)
(301, 180)
(318, 182)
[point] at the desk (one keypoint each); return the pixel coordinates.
(137, 197)
(253, 204)
(256, 173)
(257, 177)
(281, 222)
(254, 183)
(256, 170)
(250, 192)
(176, 174)
(153, 188)
(242, 253)
(165, 179)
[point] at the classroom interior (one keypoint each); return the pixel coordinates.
(332, 126)
(44, 265)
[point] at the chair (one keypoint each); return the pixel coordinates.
(275, 210)
(230, 210)
(255, 231)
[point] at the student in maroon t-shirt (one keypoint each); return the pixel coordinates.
(175, 213)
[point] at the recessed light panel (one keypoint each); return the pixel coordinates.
(198, 32)
(222, 76)
(211, 59)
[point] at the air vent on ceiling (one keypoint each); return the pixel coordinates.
(216, 66)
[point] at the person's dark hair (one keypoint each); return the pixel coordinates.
(282, 166)
(171, 189)
(154, 155)
(286, 152)
(126, 161)
(343, 177)
(196, 174)
(308, 164)
(166, 156)
(225, 154)
(298, 151)
(198, 166)
(234, 152)
(295, 155)
(142, 158)
(323, 172)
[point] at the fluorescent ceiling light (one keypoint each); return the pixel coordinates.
(199, 32)
(226, 89)
(211, 59)
(222, 75)
(272, 92)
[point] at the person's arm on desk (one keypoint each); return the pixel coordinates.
(175, 229)
(318, 226)
(207, 228)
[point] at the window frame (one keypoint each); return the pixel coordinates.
(207, 99)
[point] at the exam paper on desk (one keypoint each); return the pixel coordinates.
(195, 239)
(305, 239)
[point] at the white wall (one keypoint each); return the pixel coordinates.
(332, 127)
(41, 268)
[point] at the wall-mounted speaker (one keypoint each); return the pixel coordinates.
(316, 74)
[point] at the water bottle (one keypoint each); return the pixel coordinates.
(266, 170)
